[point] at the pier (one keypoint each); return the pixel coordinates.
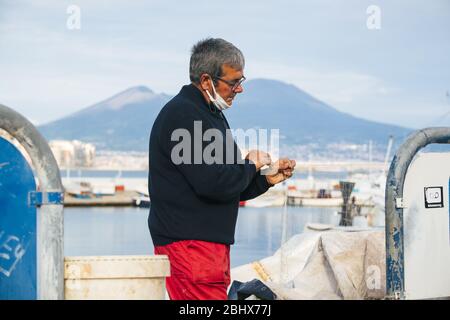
(293, 200)
(119, 199)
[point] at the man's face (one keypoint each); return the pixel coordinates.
(224, 83)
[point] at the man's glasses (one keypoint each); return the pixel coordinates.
(234, 84)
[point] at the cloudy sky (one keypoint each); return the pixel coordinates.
(399, 73)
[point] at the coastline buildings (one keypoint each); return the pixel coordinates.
(70, 154)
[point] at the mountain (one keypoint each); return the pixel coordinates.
(124, 121)
(303, 118)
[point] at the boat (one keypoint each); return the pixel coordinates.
(142, 202)
(271, 200)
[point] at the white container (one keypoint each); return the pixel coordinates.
(116, 277)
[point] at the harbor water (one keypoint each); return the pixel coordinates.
(124, 231)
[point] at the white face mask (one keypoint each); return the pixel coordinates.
(218, 101)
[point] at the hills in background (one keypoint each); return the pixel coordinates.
(123, 122)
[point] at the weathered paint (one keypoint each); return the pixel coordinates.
(395, 277)
(36, 198)
(116, 277)
(17, 226)
(50, 255)
(426, 232)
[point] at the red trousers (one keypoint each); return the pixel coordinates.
(199, 270)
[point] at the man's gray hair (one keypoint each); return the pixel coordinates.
(210, 54)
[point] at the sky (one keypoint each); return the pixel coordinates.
(397, 72)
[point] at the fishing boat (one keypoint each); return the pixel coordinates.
(142, 201)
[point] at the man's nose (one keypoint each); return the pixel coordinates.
(239, 89)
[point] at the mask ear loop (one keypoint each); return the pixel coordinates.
(211, 107)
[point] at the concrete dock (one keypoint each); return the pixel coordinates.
(119, 199)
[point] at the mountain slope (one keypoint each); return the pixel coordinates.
(124, 121)
(301, 117)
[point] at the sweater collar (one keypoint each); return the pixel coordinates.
(190, 91)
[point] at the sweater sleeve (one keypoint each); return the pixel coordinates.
(258, 186)
(218, 182)
(214, 181)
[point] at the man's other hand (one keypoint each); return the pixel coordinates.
(284, 167)
(259, 158)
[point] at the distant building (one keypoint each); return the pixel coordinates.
(73, 154)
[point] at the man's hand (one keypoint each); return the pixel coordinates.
(284, 168)
(259, 158)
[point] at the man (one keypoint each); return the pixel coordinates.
(195, 201)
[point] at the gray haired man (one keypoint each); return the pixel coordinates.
(194, 201)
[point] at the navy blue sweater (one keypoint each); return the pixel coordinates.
(195, 201)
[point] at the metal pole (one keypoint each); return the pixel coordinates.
(395, 277)
(346, 191)
(50, 251)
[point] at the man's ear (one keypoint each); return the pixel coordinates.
(205, 82)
